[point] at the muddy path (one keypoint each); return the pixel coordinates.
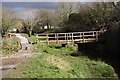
(10, 62)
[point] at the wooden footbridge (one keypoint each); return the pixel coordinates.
(71, 37)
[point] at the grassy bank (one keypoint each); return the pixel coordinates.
(54, 61)
(10, 45)
(32, 39)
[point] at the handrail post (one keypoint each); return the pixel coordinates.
(80, 37)
(37, 38)
(57, 39)
(67, 38)
(47, 38)
(83, 38)
(96, 36)
(72, 39)
(93, 34)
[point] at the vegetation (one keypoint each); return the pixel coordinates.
(57, 61)
(54, 61)
(8, 20)
(94, 17)
(1, 43)
(66, 17)
(29, 24)
(10, 45)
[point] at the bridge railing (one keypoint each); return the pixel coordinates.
(72, 37)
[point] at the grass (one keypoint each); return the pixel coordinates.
(33, 38)
(57, 62)
(10, 45)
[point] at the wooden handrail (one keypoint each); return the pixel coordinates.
(70, 32)
(72, 36)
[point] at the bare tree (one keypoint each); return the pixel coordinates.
(30, 20)
(8, 20)
(0, 19)
(64, 9)
(45, 17)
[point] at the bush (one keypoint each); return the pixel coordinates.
(100, 69)
(54, 45)
(11, 45)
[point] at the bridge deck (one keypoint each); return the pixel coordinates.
(73, 37)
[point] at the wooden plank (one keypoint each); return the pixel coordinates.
(86, 36)
(70, 33)
(85, 39)
(43, 41)
(51, 37)
(61, 37)
(84, 32)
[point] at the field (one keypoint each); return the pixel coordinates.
(55, 61)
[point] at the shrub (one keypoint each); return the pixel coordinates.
(11, 45)
(100, 69)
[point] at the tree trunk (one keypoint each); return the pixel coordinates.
(30, 33)
(48, 26)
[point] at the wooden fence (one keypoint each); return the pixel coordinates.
(72, 37)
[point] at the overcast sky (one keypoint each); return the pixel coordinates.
(21, 5)
(51, 4)
(60, 0)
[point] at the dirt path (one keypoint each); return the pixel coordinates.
(11, 61)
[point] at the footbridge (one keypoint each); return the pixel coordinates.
(71, 37)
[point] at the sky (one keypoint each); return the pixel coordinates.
(37, 5)
(49, 4)
(59, 0)
(42, 0)
(19, 6)
(26, 9)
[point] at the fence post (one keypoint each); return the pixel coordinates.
(80, 37)
(96, 36)
(72, 39)
(93, 34)
(67, 38)
(37, 38)
(57, 39)
(47, 38)
(83, 38)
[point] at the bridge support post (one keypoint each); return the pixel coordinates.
(47, 38)
(96, 36)
(37, 38)
(93, 34)
(83, 38)
(57, 39)
(72, 39)
(67, 38)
